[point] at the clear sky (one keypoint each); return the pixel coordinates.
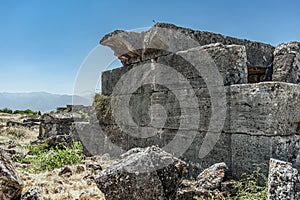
(43, 43)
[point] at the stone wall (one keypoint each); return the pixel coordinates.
(262, 118)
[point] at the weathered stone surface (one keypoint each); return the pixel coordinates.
(57, 124)
(264, 123)
(131, 176)
(188, 190)
(248, 150)
(11, 184)
(267, 108)
(93, 165)
(282, 180)
(133, 47)
(65, 140)
(221, 152)
(208, 183)
(229, 60)
(65, 129)
(212, 177)
(95, 141)
(65, 171)
(33, 194)
(262, 116)
(257, 114)
(286, 65)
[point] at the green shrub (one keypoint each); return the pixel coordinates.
(252, 186)
(25, 112)
(6, 110)
(43, 157)
(102, 106)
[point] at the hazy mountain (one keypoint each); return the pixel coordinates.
(38, 101)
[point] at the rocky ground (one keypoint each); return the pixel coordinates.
(140, 173)
(69, 182)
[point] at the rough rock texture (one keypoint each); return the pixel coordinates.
(212, 177)
(262, 119)
(208, 182)
(229, 60)
(286, 65)
(189, 190)
(268, 108)
(263, 123)
(11, 184)
(282, 180)
(65, 129)
(57, 124)
(33, 194)
(66, 140)
(133, 47)
(65, 171)
(260, 116)
(148, 173)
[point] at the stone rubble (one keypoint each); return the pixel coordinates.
(282, 180)
(11, 184)
(209, 181)
(146, 174)
(212, 177)
(33, 194)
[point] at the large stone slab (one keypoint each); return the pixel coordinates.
(164, 38)
(286, 66)
(230, 61)
(247, 151)
(267, 108)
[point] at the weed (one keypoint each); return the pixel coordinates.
(249, 186)
(102, 107)
(43, 157)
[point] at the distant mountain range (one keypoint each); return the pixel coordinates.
(39, 101)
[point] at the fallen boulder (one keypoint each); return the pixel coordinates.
(142, 173)
(282, 180)
(11, 184)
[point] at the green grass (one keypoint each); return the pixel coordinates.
(43, 157)
(252, 186)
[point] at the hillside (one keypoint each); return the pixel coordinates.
(38, 101)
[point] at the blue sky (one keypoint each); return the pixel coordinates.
(43, 43)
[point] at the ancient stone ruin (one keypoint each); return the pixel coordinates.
(247, 112)
(261, 87)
